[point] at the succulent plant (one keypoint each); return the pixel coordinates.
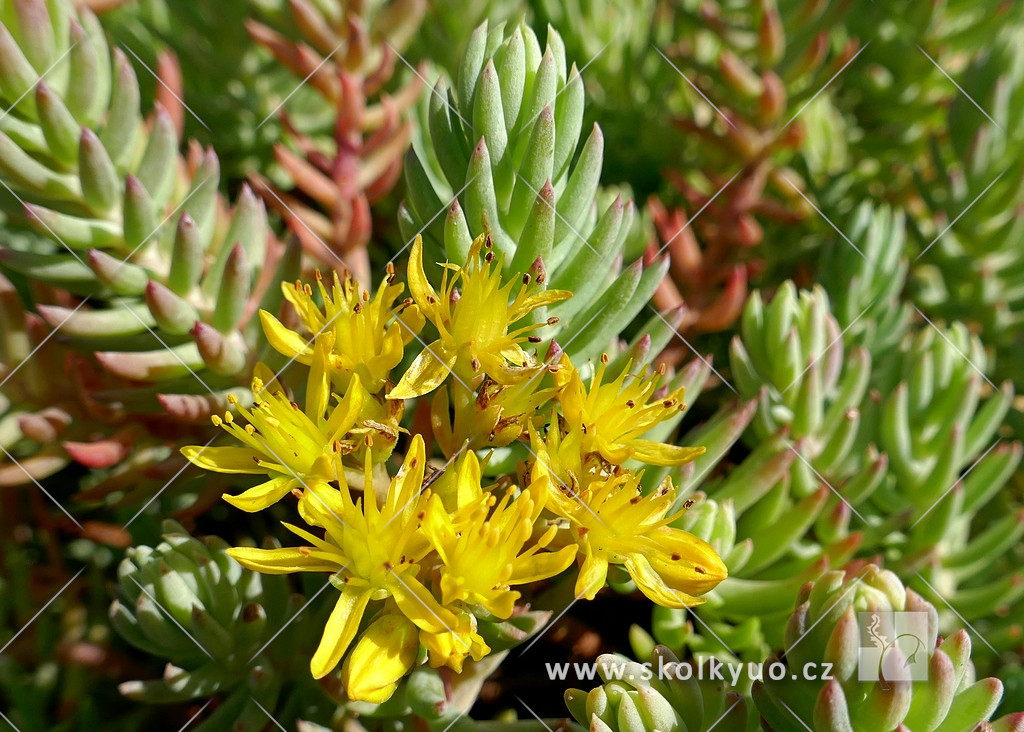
(166, 277)
(912, 63)
(865, 272)
(751, 77)
(826, 627)
(187, 601)
(662, 694)
(498, 156)
(969, 267)
(349, 54)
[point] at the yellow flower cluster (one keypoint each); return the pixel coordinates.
(432, 553)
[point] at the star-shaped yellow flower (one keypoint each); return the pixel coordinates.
(613, 416)
(472, 322)
(370, 335)
(614, 523)
(374, 554)
(294, 447)
(484, 552)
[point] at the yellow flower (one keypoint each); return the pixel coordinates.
(613, 416)
(293, 447)
(482, 557)
(369, 336)
(472, 322)
(374, 553)
(493, 417)
(383, 654)
(614, 523)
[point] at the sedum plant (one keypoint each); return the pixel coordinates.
(163, 274)
(118, 215)
(663, 694)
(500, 154)
(344, 161)
(216, 624)
(824, 628)
(431, 563)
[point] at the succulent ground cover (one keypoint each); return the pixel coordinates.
(511, 366)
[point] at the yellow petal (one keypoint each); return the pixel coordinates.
(652, 584)
(345, 414)
(320, 503)
(658, 453)
(593, 575)
(536, 300)
(263, 495)
(340, 630)
(222, 459)
(419, 286)
(426, 373)
(417, 604)
(282, 561)
(542, 565)
(284, 340)
(383, 654)
(411, 322)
